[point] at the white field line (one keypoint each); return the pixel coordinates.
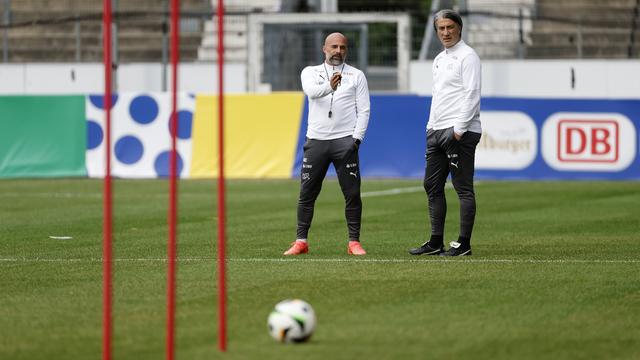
(330, 260)
(68, 195)
(62, 195)
(395, 191)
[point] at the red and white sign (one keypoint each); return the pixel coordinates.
(588, 141)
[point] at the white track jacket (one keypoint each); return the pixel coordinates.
(349, 108)
(456, 90)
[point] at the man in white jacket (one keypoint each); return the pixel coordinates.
(338, 117)
(453, 132)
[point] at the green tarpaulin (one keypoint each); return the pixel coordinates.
(42, 136)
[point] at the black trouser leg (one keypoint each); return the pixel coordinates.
(462, 179)
(318, 154)
(348, 170)
(314, 168)
(435, 176)
(446, 155)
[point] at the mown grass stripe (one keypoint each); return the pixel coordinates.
(329, 260)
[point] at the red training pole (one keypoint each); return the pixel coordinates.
(107, 255)
(222, 292)
(173, 185)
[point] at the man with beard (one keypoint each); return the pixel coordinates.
(338, 117)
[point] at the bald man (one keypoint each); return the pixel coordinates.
(338, 117)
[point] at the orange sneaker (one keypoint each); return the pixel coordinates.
(355, 248)
(297, 248)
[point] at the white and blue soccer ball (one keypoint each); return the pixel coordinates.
(292, 321)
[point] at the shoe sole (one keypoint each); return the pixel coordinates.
(300, 253)
(351, 253)
(435, 252)
(466, 253)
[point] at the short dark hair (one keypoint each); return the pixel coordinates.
(447, 14)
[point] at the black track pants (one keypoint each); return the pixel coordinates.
(446, 155)
(318, 154)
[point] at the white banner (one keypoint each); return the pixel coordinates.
(140, 135)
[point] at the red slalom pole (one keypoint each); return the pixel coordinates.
(222, 292)
(107, 254)
(173, 184)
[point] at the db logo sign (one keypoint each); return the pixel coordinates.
(588, 141)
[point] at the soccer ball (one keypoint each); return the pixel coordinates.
(292, 321)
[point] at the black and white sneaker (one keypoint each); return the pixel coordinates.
(427, 249)
(456, 249)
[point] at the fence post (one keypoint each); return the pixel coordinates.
(165, 45)
(579, 37)
(521, 46)
(634, 27)
(78, 41)
(363, 50)
(5, 33)
(114, 45)
(429, 33)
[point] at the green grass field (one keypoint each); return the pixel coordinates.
(555, 272)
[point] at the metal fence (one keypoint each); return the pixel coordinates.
(71, 31)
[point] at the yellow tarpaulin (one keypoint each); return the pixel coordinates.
(261, 134)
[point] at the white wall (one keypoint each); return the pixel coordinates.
(87, 78)
(602, 79)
